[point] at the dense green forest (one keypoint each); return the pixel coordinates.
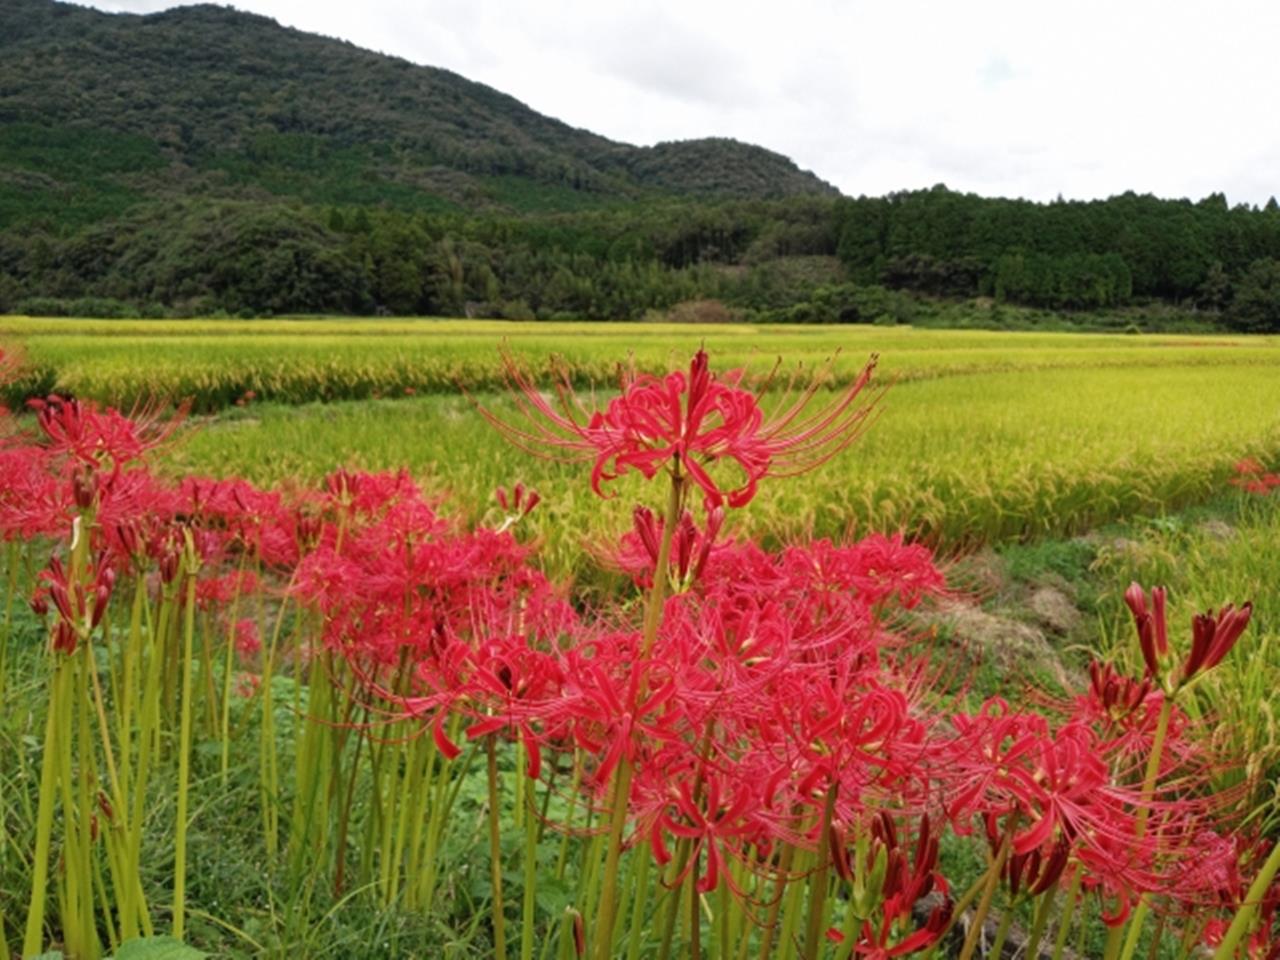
(204, 160)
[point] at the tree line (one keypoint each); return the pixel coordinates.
(809, 258)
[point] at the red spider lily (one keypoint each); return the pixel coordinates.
(1035, 871)
(908, 881)
(508, 688)
(687, 423)
(1212, 637)
(1153, 631)
(637, 552)
(134, 498)
(1055, 783)
(522, 500)
(1071, 792)
(101, 438)
(80, 606)
(1123, 713)
(1252, 477)
(399, 578)
(34, 502)
(844, 733)
(1120, 873)
(247, 640)
(1116, 696)
(257, 521)
(1218, 878)
(878, 567)
(715, 811)
(612, 719)
(908, 878)
(247, 684)
(215, 592)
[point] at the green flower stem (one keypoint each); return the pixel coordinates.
(529, 904)
(411, 787)
(123, 873)
(638, 906)
(314, 767)
(268, 764)
(852, 927)
(1068, 911)
(988, 894)
(131, 655)
(775, 907)
(961, 905)
(1002, 932)
(695, 921)
(192, 564)
(113, 937)
(423, 786)
(724, 918)
(574, 789)
(671, 905)
(89, 947)
(344, 820)
(589, 870)
(671, 909)
(210, 692)
(1244, 917)
(742, 925)
(792, 908)
(819, 880)
(33, 940)
(602, 931)
(11, 571)
(1043, 909)
(228, 671)
(495, 852)
(1116, 935)
(1190, 938)
(441, 806)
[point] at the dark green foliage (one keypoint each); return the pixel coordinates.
(715, 166)
(1256, 305)
(1073, 255)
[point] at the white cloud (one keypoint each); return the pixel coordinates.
(1002, 97)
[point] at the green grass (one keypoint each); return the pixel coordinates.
(213, 363)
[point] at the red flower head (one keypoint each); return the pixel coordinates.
(1212, 637)
(97, 438)
(1153, 632)
(1252, 477)
(687, 422)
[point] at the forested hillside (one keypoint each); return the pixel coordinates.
(204, 160)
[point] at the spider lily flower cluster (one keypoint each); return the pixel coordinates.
(1252, 477)
(686, 423)
(746, 753)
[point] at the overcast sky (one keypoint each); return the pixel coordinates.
(1030, 98)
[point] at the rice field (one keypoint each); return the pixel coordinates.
(215, 363)
(980, 437)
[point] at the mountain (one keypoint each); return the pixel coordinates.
(99, 112)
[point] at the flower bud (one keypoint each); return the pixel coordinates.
(63, 639)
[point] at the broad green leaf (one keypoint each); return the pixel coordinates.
(157, 948)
